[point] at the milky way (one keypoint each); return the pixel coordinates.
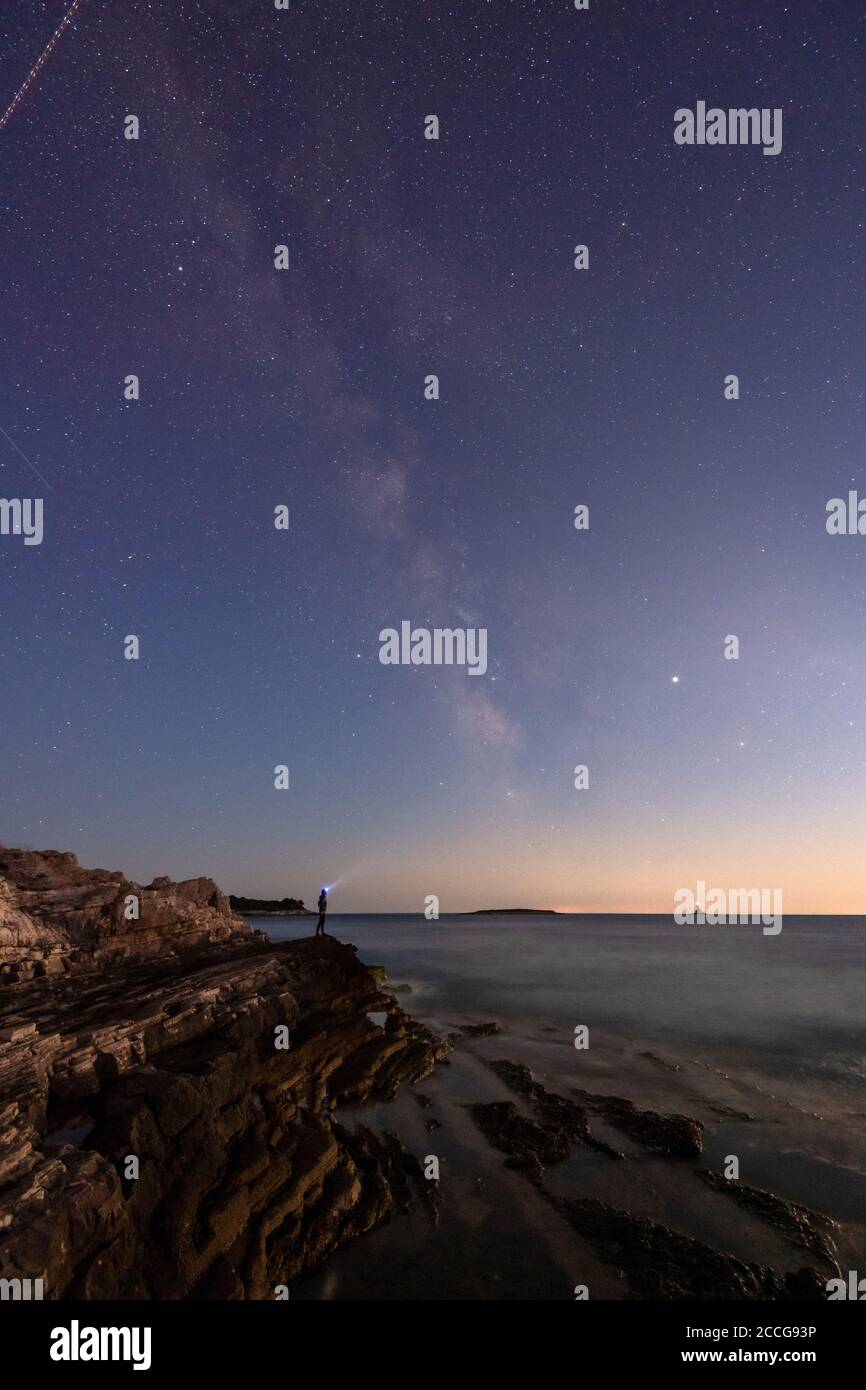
(559, 387)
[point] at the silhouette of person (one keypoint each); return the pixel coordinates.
(323, 910)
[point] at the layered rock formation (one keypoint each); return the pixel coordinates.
(56, 917)
(150, 1047)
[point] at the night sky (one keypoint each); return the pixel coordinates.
(559, 387)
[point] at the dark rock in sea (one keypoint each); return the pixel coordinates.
(663, 1264)
(154, 1039)
(727, 1112)
(529, 1145)
(565, 1122)
(479, 1030)
(661, 1061)
(657, 1262)
(676, 1135)
(518, 1077)
(809, 1229)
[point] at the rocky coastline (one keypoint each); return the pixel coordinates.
(168, 1083)
(189, 1110)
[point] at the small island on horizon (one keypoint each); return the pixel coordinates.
(513, 912)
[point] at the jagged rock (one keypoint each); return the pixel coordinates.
(57, 917)
(27, 946)
(809, 1229)
(663, 1264)
(156, 1039)
(528, 1145)
(559, 1123)
(677, 1135)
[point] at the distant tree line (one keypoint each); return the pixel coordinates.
(267, 904)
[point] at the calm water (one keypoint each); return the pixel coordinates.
(794, 1004)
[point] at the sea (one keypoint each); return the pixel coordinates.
(762, 1038)
(794, 1004)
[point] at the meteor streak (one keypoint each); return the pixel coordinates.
(51, 44)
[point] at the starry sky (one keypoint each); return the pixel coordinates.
(559, 387)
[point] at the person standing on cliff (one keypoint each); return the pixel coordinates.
(323, 910)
